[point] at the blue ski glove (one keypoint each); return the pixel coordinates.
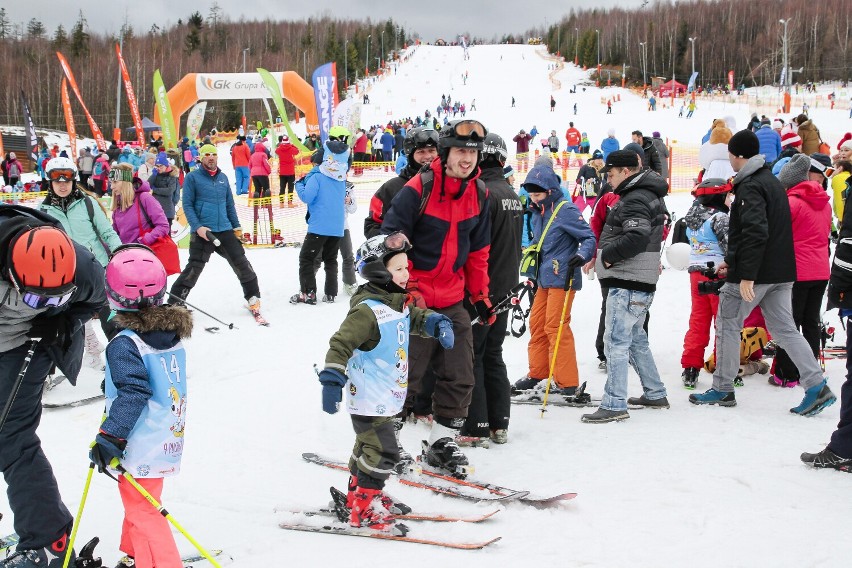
(440, 327)
(332, 389)
(105, 448)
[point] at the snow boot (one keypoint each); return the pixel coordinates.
(328, 299)
(602, 365)
(828, 459)
(712, 396)
(817, 398)
(500, 436)
(473, 441)
(525, 383)
(51, 556)
(350, 289)
(648, 403)
(785, 383)
(690, 377)
(444, 454)
(602, 416)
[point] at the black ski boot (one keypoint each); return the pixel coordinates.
(445, 455)
(690, 377)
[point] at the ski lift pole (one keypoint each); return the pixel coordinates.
(115, 464)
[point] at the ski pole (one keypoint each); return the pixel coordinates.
(556, 347)
(79, 515)
(197, 309)
(115, 464)
(17, 386)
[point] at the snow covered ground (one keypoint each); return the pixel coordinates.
(690, 486)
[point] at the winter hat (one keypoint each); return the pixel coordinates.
(621, 159)
(597, 155)
(208, 149)
(611, 132)
(777, 124)
(162, 160)
(744, 144)
(508, 172)
(655, 134)
(791, 139)
(544, 160)
(845, 142)
(720, 134)
(795, 171)
(284, 139)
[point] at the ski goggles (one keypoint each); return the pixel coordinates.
(827, 171)
(120, 174)
(61, 174)
(397, 242)
(472, 129)
(38, 298)
(425, 138)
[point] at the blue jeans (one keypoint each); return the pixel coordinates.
(242, 173)
(625, 341)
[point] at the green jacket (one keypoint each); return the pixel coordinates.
(92, 232)
(361, 331)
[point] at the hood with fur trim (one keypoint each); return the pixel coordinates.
(171, 318)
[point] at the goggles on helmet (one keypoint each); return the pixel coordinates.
(397, 242)
(827, 171)
(472, 129)
(120, 174)
(426, 137)
(38, 298)
(61, 175)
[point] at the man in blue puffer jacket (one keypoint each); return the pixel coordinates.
(209, 207)
(770, 142)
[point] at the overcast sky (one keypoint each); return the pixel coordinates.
(432, 18)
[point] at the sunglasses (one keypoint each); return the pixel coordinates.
(38, 298)
(61, 175)
(470, 129)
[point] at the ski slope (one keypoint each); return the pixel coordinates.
(690, 486)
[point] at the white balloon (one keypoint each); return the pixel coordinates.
(678, 255)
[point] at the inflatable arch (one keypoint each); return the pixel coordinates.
(194, 87)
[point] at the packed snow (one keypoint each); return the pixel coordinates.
(698, 486)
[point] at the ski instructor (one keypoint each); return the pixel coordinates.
(49, 288)
(443, 210)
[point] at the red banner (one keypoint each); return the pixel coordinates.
(131, 99)
(96, 131)
(730, 80)
(69, 119)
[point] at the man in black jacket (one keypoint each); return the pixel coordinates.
(760, 268)
(48, 297)
(420, 148)
(488, 413)
(650, 159)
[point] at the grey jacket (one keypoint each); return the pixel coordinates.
(632, 235)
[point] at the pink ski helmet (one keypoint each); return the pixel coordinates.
(135, 278)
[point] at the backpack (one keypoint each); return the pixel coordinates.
(187, 156)
(99, 168)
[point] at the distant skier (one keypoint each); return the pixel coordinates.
(513, 102)
(553, 104)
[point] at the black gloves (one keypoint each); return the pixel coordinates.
(51, 330)
(105, 449)
(576, 261)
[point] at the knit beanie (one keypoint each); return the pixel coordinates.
(791, 139)
(795, 171)
(845, 142)
(744, 144)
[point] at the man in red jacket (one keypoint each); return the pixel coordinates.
(573, 137)
(444, 213)
(286, 153)
(240, 156)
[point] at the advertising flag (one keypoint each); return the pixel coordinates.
(167, 124)
(691, 86)
(69, 118)
(29, 127)
(731, 80)
(348, 115)
(325, 93)
(96, 131)
(275, 92)
(194, 120)
(131, 99)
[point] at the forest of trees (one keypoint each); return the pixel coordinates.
(745, 36)
(740, 35)
(209, 42)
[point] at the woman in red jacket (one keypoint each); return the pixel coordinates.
(810, 214)
(260, 170)
(286, 153)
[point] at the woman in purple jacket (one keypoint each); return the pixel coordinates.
(137, 216)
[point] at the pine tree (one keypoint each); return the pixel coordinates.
(80, 38)
(5, 24)
(35, 29)
(192, 41)
(60, 38)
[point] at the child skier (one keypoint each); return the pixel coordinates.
(370, 351)
(145, 390)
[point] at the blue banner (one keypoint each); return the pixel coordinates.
(691, 86)
(325, 94)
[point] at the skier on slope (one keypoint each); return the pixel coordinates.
(145, 389)
(49, 298)
(370, 351)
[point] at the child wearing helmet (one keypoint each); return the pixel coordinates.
(145, 389)
(369, 353)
